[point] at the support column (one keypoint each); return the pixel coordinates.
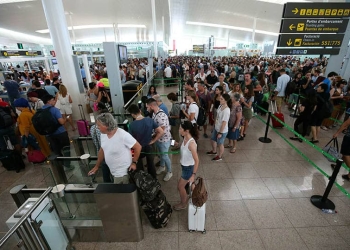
(338, 63)
(163, 30)
(87, 69)
(115, 83)
(254, 28)
(57, 24)
(154, 20)
(47, 65)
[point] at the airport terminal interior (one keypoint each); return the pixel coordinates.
(277, 187)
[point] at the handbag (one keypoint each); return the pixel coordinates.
(332, 149)
(35, 156)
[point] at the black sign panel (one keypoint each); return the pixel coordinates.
(19, 53)
(198, 48)
(316, 10)
(314, 25)
(295, 51)
(310, 40)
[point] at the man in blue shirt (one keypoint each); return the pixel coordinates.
(161, 105)
(83, 75)
(142, 129)
(12, 89)
(59, 139)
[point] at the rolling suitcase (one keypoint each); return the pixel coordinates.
(83, 124)
(158, 210)
(196, 215)
(280, 116)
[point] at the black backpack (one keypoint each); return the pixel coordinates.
(6, 119)
(202, 116)
(290, 88)
(147, 186)
(44, 122)
(327, 108)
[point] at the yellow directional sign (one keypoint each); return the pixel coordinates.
(300, 27)
(289, 42)
(291, 27)
(297, 42)
(316, 10)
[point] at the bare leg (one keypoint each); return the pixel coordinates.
(213, 145)
(221, 150)
(346, 159)
(64, 116)
(246, 124)
(183, 195)
(70, 120)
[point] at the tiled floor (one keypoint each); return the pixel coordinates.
(258, 199)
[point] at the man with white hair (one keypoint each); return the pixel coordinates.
(160, 103)
(116, 145)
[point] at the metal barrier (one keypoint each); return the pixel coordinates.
(28, 230)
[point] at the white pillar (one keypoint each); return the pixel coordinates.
(47, 66)
(57, 24)
(254, 28)
(163, 29)
(154, 20)
(87, 69)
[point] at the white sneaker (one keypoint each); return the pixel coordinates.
(160, 170)
(168, 176)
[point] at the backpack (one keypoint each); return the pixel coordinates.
(5, 117)
(202, 116)
(199, 193)
(44, 122)
(290, 88)
(240, 77)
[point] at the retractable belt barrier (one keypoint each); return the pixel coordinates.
(319, 201)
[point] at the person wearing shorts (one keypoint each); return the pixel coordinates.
(189, 161)
(221, 127)
(234, 122)
(345, 146)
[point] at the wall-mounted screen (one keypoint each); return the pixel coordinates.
(54, 61)
(123, 54)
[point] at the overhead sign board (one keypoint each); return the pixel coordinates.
(198, 48)
(75, 52)
(312, 25)
(307, 51)
(310, 40)
(316, 10)
(20, 53)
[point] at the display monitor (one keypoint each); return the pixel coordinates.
(54, 61)
(123, 54)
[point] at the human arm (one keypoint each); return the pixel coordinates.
(223, 124)
(137, 150)
(342, 127)
(193, 148)
(159, 133)
(70, 99)
(238, 120)
(100, 158)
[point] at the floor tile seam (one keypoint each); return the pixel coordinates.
(220, 239)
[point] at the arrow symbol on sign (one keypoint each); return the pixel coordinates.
(295, 11)
(291, 27)
(289, 42)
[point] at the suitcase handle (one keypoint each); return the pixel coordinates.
(273, 106)
(81, 110)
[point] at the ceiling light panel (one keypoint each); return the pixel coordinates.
(15, 1)
(97, 26)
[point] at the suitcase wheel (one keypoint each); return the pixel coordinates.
(191, 231)
(204, 232)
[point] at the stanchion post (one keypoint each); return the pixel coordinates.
(296, 108)
(322, 202)
(265, 139)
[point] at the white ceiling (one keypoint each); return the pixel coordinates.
(27, 17)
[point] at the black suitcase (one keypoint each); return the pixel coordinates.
(11, 160)
(264, 105)
(158, 210)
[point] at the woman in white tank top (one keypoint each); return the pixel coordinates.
(189, 161)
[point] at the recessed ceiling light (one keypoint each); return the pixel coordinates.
(97, 26)
(232, 28)
(14, 1)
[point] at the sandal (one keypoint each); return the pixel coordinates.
(228, 146)
(233, 150)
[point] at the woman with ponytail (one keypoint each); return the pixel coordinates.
(189, 160)
(25, 125)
